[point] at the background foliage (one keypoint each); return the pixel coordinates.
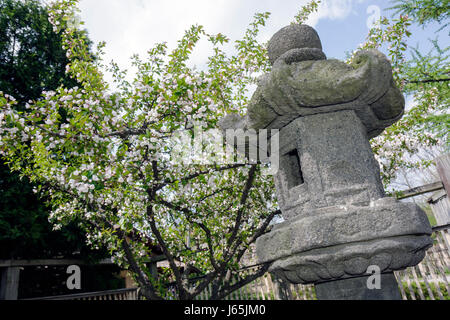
(31, 61)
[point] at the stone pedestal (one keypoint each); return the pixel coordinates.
(342, 242)
(338, 221)
(356, 289)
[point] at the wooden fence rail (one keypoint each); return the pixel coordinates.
(120, 294)
(430, 280)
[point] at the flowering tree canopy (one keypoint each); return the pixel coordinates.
(106, 157)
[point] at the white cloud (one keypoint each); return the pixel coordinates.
(134, 26)
(333, 9)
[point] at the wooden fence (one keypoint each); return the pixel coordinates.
(120, 294)
(430, 279)
(427, 281)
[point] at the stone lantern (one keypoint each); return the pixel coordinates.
(338, 220)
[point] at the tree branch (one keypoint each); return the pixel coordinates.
(259, 232)
(205, 229)
(226, 290)
(428, 80)
(214, 169)
(169, 256)
(149, 290)
(244, 196)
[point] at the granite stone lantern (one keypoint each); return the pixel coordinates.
(338, 220)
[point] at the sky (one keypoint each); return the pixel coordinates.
(133, 26)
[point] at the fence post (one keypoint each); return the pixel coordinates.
(443, 169)
(9, 287)
(154, 270)
(282, 289)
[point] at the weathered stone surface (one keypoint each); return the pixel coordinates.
(233, 121)
(294, 37)
(336, 225)
(356, 289)
(297, 55)
(352, 259)
(385, 232)
(310, 87)
(338, 220)
(336, 163)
